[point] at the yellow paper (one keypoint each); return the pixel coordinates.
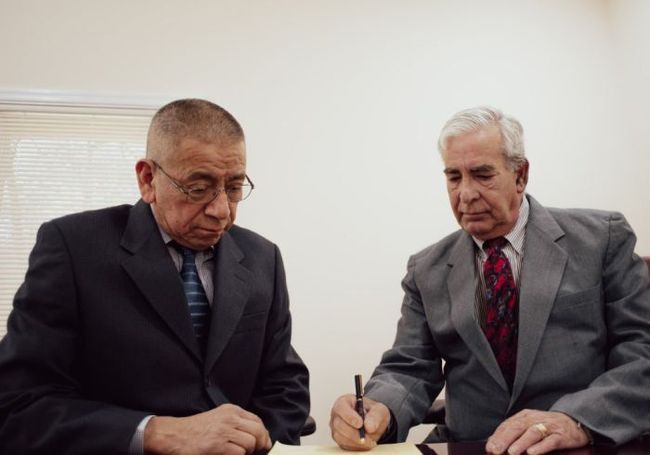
(395, 449)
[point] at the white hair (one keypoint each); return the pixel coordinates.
(474, 119)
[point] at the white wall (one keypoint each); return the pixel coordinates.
(342, 102)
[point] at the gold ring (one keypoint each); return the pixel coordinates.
(542, 429)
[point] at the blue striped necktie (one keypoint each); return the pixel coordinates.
(196, 298)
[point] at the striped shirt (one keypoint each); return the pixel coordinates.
(514, 251)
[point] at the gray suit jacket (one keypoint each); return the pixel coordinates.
(584, 332)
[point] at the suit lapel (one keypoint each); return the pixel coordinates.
(153, 272)
(231, 290)
(462, 291)
(541, 274)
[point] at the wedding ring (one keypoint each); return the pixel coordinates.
(542, 429)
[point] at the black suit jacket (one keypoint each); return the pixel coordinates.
(100, 337)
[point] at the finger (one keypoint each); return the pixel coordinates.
(377, 422)
(256, 430)
(344, 430)
(233, 449)
(565, 434)
(348, 437)
(508, 432)
(353, 442)
(250, 423)
(267, 443)
(530, 437)
(242, 439)
(356, 444)
(345, 410)
(549, 444)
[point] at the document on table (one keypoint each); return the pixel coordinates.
(395, 449)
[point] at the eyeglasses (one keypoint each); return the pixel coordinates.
(201, 194)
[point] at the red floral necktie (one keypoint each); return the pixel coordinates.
(502, 314)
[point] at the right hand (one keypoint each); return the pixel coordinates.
(345, 423)
(225, 430)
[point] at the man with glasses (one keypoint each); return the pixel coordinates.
(159, 327)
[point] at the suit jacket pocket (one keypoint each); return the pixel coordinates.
(576, 329)
(574, 299)
(252, 321)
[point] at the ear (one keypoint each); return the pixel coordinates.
(522, 176)
(144, 173)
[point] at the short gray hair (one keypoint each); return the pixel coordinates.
(191, 118)
(474, 119)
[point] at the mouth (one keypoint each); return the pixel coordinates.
(474, 216)
(210, 231)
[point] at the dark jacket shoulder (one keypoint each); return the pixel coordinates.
(94, 220)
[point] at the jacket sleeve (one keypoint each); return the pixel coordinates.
(41, 407)
(616, 403)
(281, 397)
(409, 376)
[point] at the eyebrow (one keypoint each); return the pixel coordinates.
(475, 170)
(236, 177)
(482, 168)
(200, 175)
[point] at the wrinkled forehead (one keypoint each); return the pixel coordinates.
(477, 144)
(482, 134)
(197, 150)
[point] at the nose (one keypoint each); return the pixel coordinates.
(468, 192)
(218, 207)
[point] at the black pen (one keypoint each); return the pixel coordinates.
(358, 389)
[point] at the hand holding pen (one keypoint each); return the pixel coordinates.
(358, 422)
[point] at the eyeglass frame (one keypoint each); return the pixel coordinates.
(217, 190)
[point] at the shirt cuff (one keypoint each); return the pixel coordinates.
(586, 431)
(136, 447)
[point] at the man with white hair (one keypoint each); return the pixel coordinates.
(541, 316)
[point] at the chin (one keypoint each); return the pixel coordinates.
(210, 243)
(477, 231)
(203, 244)
(474, 228)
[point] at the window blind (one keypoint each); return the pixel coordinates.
(56, 160)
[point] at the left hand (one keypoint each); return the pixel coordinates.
(522, 433)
